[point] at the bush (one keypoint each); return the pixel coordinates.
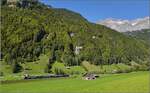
(143, 68)
(122, 68)
(93, 68)
(109, 69)
(16, 67)
(90, 67)
(1, 74)
(85, 65)
(135, 66)
(59, 71)
(115, 68)
(46, 69)
(76, 70)
(58, 68)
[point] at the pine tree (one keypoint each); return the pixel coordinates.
(16, 67)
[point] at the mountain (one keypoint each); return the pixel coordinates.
(65, 36)
(143, 34)
(126, 25)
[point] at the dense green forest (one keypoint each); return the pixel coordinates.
(65, 36)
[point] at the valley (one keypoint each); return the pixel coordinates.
(53, 50)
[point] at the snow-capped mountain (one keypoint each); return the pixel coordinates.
(126, 25)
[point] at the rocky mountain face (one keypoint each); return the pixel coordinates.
(126, 25)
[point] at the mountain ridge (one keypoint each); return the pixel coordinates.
(126, 25)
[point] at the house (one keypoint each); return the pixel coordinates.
(90, 76)
(78, 49)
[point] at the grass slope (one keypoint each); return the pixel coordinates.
(135, 82)
(36, 67)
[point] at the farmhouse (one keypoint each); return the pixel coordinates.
(90, 76)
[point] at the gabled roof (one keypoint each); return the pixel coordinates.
(89, 75)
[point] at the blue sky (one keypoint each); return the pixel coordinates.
(95, 10)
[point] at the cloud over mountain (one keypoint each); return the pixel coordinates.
(126, 25)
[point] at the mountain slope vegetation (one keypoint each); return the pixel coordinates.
(26, 33)
(142, 35)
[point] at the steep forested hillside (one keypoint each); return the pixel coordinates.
(65, 36)
(142, 34)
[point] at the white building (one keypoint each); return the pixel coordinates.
(78, 49)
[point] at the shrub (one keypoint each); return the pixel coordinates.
(85, 65)
(59, 71)
(16, 67)
(58, 68)
(46, 69)
(109, 68)
(115, 68)
(93, 68)
(76, 70)
(135, 66)
(122, 68)
(143, 67)
(1, 74)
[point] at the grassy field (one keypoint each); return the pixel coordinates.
(134, 82)
(36, 67)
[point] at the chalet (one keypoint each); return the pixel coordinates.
(90, 76)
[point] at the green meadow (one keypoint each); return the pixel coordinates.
(134, 82)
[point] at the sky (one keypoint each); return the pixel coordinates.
(95, 10)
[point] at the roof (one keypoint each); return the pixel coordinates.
(89, 75)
